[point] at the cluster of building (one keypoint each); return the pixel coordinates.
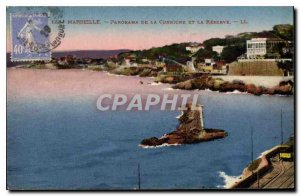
(209, 65)
(132, 61)
(269, 49)
(195, 47)
(174, 67)
(212, 66)
(256, 48)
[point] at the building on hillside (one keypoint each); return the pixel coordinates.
(219, 65)
(256, 48)
(209, 62)
(213, 67)
(126, 62)
(260, 48)
(207, 66)
(129, 60)
(218, 49)
(159, 63)
(194, 47)
(145, 61)
(62, 61)
(87, 60)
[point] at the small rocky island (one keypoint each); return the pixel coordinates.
(190, 130)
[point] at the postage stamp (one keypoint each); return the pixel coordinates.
(30, 37)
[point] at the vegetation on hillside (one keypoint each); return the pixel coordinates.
(285, 31)
(235, 46)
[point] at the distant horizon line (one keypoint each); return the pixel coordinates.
(119, 49)
(84, 50)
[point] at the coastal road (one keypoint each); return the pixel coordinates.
(281, 176)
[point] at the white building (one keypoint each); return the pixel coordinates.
(127, 62)
(194, 47)
(259, 48)
(208, 62)
(256, 48)
(218, 49)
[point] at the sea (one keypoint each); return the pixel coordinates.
(65, 143)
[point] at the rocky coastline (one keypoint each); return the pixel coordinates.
(216, 84)
(192, 82)
(136, 71)
(206, 81)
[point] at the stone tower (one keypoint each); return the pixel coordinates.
(192, 118)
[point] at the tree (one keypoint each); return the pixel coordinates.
(286, 66)
(205, 54)
(214, 42)
(230, 53)
(284, 31)
(174, 51)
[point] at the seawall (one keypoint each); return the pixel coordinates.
(248, 177)
(255, 68)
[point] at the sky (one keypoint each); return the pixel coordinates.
(107, 36)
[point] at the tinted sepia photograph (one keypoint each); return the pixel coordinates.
(150, 98)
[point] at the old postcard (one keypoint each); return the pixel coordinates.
(150, 98)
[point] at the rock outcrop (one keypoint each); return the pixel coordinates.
(215, 84)
(136, 71)
(189, 131)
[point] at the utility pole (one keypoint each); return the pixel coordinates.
(257, 178)
(281, 131)
(139, 176)
(252, 147)
(252, 158)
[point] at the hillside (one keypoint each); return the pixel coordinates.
(173, 51)
(94, 54)
(235, 46)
